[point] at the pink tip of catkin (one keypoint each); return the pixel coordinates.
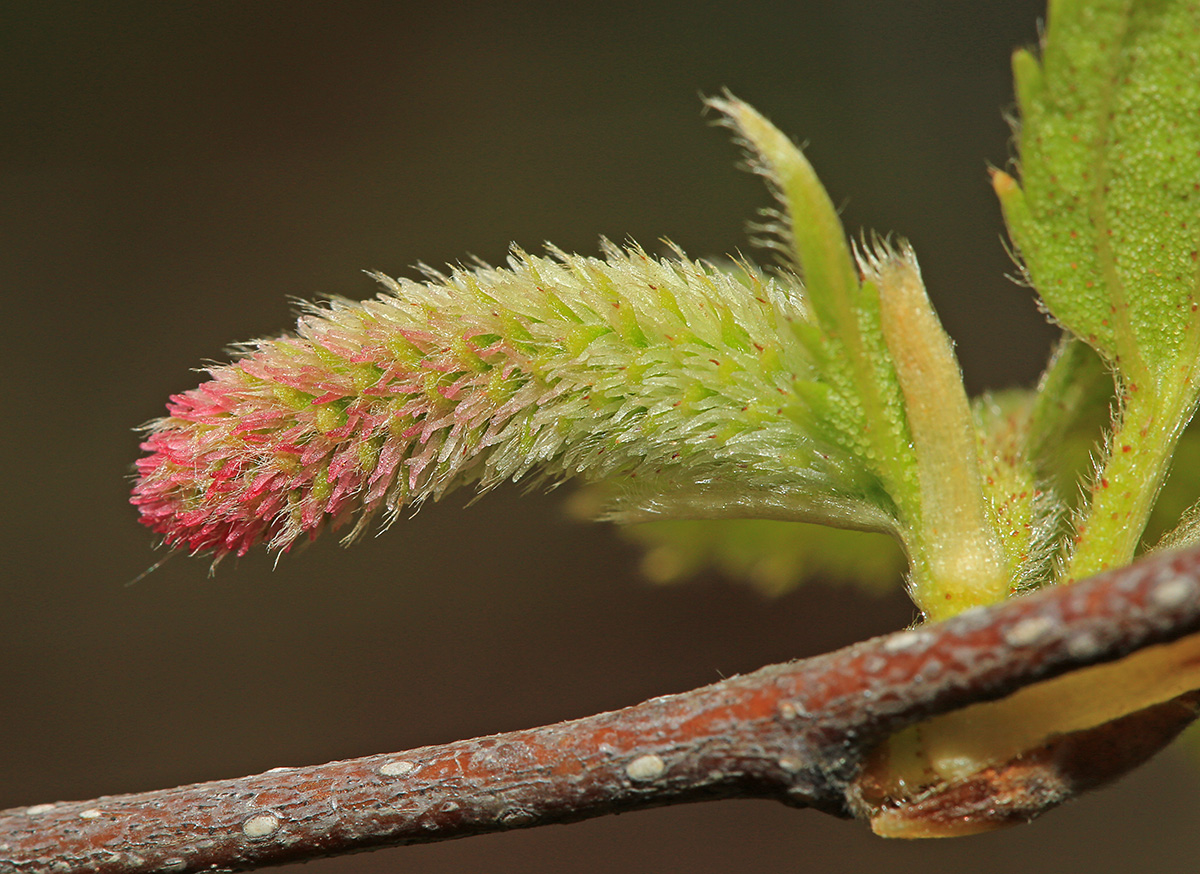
(303, 434)
(229, 469)
(160, 497)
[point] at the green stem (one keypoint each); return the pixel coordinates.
(1127, 486)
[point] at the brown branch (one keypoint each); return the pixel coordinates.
(798, 732)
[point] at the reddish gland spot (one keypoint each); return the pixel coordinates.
(1126, 448)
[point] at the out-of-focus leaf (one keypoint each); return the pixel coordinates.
(773, 556)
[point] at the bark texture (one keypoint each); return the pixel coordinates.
(798, 732)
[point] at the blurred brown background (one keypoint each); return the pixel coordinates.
(172, 173)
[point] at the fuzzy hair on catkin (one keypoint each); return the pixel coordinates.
(652, 370)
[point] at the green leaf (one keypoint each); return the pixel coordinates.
(1070, 410)
(773, 556)
(1107, 221)
(1108, 211)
